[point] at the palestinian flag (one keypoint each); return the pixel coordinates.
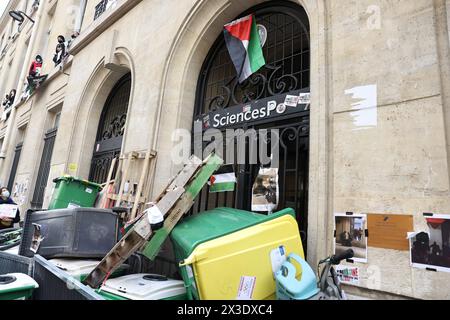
(244, 46)
(222, 182)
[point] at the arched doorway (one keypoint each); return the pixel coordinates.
(287, 72)
(110, 132)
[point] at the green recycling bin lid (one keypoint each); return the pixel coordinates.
(75, 179)
(16, 286)
(209, 225)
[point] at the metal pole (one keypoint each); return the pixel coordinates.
(22, 79)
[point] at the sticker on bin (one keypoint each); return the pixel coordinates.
(88, 190)
(277, 257)
(73, 206)
(246, 288)
(189, 272)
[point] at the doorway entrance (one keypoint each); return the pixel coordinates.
(284, 32)
(110, 132)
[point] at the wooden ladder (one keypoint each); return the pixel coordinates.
(139, 196)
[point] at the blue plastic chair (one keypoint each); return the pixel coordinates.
(287, 285)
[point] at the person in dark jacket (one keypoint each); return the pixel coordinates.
(5, 198)
(61, 50)
(12, 97)
(6, 101)
(59, 54)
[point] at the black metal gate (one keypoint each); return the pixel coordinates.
(287, 53)
(12, 175)
(44, 169)
(111, 129)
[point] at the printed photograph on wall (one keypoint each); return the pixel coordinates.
(431, 250)
(351, 234)
(265, 192)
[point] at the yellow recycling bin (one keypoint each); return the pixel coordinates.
(241, 265)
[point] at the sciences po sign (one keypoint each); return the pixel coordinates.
(258, 111)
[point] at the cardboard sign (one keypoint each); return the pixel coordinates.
(8, 210)
(389, 231)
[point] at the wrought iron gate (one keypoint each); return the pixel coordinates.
(287, 51)
(12, 175)
(110, 131)
(44, 169)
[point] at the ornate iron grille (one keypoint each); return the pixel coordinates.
(111, 130)
(44, 169)
(287, 54)
(293, 175)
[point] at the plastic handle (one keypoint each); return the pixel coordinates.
(289, 272)
(302, 289)
(301, 262)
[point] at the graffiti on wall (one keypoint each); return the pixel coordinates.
(20, 192)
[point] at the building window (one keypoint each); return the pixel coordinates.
(100, 8)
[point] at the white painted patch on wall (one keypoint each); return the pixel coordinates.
(366, 116)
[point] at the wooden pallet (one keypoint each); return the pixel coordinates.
(173, 203)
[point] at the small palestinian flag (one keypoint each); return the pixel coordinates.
(222, 183)
(244, 46)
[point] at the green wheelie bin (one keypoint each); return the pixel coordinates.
(71, 192)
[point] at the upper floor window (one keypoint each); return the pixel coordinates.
(102, 6)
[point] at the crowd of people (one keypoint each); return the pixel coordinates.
(35, 78)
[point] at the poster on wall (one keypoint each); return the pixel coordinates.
(431, 250)
(389, 231)
(265, 191)
(347, 274)
(350, 233)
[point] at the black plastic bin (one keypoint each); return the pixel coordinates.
(55, 284)
(71, 233)
(11, 263)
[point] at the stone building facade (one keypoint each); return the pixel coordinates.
(375, 139)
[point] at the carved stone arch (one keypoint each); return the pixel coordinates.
(103, 78)
(196, 35)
